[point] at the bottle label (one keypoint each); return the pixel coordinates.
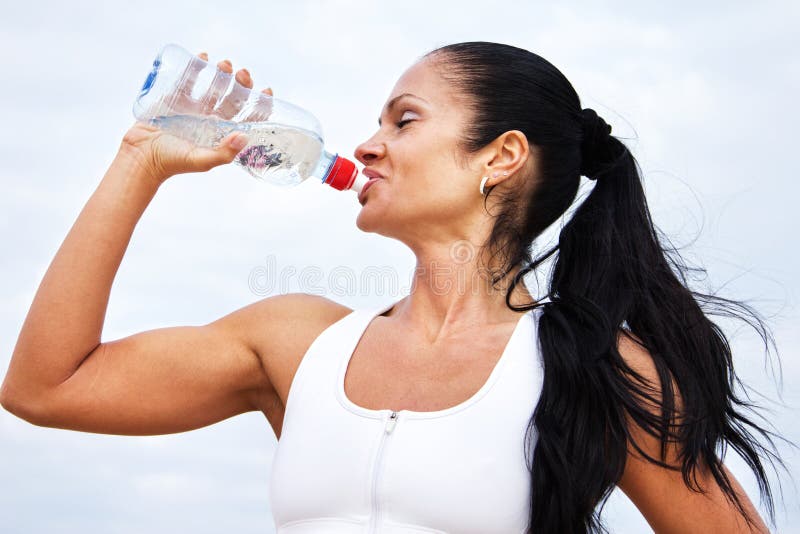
(260, 157)
(148, 83)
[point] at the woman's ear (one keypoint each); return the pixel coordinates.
(508, 153)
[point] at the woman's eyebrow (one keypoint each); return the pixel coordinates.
(394, 101)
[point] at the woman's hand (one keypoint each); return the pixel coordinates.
(161, 155)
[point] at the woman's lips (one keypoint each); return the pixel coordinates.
(361, 196)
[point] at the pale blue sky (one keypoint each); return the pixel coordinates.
(704, 92)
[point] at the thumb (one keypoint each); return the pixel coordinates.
(224, 152)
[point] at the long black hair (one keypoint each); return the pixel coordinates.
(611, 275)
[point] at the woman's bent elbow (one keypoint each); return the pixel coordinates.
(25, 407)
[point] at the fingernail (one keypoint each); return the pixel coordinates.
(239, 142)
(243, 77)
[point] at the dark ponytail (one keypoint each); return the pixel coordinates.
(611, 276)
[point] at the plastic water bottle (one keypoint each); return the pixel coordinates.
(189, 98)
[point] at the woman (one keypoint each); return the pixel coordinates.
(467, 406)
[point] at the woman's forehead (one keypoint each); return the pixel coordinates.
(422, 80)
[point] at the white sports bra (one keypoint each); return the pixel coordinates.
(340, 468)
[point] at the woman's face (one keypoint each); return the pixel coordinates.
(426, 191)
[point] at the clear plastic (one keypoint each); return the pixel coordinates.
(192, 99)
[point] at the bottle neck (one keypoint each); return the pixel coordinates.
(324, 166)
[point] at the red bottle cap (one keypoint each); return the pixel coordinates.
(342, 174)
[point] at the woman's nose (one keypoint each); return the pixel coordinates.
(370, 150)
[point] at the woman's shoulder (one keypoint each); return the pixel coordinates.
(281, 328)
(305, 307)
(287, 324)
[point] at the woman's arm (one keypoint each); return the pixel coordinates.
(661, 495)
(61, 334)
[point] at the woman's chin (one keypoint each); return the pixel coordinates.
(370, 219)
(366, 221)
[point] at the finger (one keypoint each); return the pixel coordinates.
(225, 152)
(261, 109)
(233, 102)
(190, 73)
(221, 81)
(225, 66)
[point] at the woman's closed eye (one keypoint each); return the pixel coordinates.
(407, 117)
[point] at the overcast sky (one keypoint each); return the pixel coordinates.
(704, 93)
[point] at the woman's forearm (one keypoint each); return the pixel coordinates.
(65, 320)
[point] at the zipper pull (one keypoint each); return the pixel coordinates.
(390, 424)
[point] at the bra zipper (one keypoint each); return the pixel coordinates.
(387, 430)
